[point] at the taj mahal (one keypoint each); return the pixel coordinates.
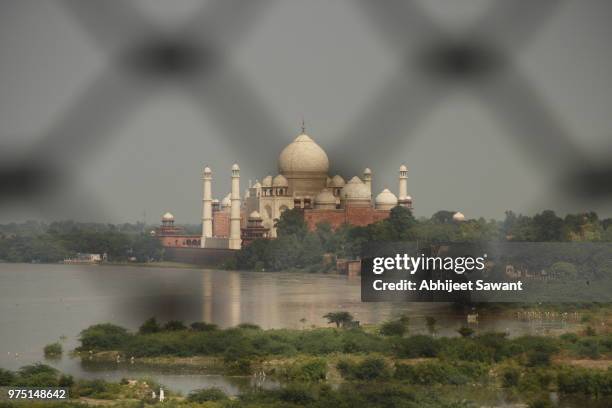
(303, 182)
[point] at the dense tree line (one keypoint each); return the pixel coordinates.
(38, 242)
(298, 248)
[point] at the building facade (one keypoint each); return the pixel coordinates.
(303, 182)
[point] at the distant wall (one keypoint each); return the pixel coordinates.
(199, 256)
(360, 216)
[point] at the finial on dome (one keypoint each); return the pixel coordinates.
(303, 126)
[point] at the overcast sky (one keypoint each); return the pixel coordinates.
(326, 61)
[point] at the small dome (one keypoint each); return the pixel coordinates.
(215, 201)
(337, 181)
(255, 215)
(168, 217)
(367, 171)
(328, 181)
(207, 170)
(303, 155)
(403, 168)
(280, 181)
(355, 189)
(325, 197)
(267, 181)
(235, 166)
(226, 202)
(257, 184)
(386, 197)
(458, 216)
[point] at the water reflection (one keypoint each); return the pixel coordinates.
(41, 303)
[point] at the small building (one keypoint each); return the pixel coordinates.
(173, 236)
(85, 259)
(254, 229)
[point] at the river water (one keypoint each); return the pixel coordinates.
(42, 304)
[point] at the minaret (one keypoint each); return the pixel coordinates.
(234, 239)
(367, 179)
(206, 206)
(402, 197)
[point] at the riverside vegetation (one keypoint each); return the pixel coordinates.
(345, 366)
(296, 247)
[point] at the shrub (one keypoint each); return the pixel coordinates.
(371, 368)
(594, 383)
(540, 403)
(417, 346)
(149, 326)
(206, 394)
(510, 377)
(248, 326)
(299, 394)
(37, 375)
(466, 331)
(203, 326)
(588, 347)
(53, 350)
(538, 350)
(98, 389)
(104, 336)
(174, 325)
(393, 328)
(465, 349)
(438, 372)
(569, 337)
(309, 370)
(6, 377)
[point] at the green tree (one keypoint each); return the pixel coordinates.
(291, 222)
(547, 226)
(339, 318)
(401, 222)
(149, 326)
(443, 217)
(103, 336)
(311, 252)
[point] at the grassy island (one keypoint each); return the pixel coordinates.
(383, 366)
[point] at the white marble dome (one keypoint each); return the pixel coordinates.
(386, 197)
(267, 181)
(280, 181)
(325, 197)
(355, 189)
(226, 202)
(255, 215)
(168, 217)
(337, 181)
(303, 155)
(458, 216)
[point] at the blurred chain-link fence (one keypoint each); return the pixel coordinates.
(141, 57)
